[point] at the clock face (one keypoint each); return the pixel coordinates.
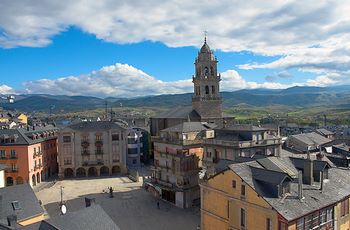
(63, 209)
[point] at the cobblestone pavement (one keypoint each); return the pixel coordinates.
(131, 208)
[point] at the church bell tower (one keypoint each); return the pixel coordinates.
(206, 99)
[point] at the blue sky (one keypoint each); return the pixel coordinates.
(114, 49)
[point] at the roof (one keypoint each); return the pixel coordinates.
(95, 125)
(90, 218)
(193, 126)
(290, 207)
(183, 112)
(245, 128)
(342, 146)
(205, 48)
(324, 132)
(23, 136)
(311, 138)
(28, 203)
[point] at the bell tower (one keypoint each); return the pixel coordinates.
(206, 99)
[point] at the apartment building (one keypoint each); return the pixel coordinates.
(277, 193)
(96, 148)
(30, 154)
(239, 141)
(177, 161)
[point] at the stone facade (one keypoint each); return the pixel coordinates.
(92, 149)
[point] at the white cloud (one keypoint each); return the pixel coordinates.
(5, 89)
(123, 80)
(119, 80)
(312, 36)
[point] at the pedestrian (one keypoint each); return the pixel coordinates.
(198, 227)
(158, 205)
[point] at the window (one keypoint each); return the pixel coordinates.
(268, 224)
(213, 89)
(283, 226)
(233, 184)
(115, 137)
(98, 137)
(34, 150)
(15, 205)
(300, 224)
(206, 89)
(242, 190)
(13, 154)
(243, 218)
(66, 139)
(2, 154)
(344, 207)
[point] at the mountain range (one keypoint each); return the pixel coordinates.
(298, 96)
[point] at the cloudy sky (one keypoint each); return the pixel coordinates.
(135, 48)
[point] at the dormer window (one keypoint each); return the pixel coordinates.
(284, 188)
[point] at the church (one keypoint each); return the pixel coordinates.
(206, 100)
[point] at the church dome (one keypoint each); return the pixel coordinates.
(205, 48)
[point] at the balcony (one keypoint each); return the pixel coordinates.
(99, 152)
(98, 143)
(14, 157)
(177, 141)
(165, 183)
(244, 144)
(11, 170)
(93, 163)
(85, 143)
(85, 152)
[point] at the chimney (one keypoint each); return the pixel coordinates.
(12, 220)
(308, 176)
(33, 127)
(300, 185)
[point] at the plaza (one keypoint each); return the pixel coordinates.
(131, 207)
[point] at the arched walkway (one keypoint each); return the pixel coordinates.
(115, 169)
(38, 178)
(19, 180)
(81, 172)
(92, 171)
(104, 171)
(68, 172)
(33, 180)
(42, 176)
(9, 181)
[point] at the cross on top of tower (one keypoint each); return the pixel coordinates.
(205, 36)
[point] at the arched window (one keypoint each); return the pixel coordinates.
(213, 90)
(199, 90)
(206, 89)
(211, 70)
(206, 71)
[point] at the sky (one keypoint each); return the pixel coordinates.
(130, 48)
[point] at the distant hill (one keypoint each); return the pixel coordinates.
(294, 96)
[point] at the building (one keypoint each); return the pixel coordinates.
(177, 161)
(277, 193)
(30, 154)
(2, 176)
(239, 141)
(96, 148)
(137, 147)
(19, 207)
(206, 100)
(89, 218)
(326, 133)
(306, 142)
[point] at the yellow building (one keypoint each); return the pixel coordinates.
(22, 118)
(273, 194)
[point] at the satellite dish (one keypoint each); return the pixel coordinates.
(63, 209)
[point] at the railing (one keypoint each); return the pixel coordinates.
(14, 157)
(243, 144)
(85, 152)
(177, 141)
(165, 183)
(92, 163)
(85, 143)
(99, 152)
(98, 142)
